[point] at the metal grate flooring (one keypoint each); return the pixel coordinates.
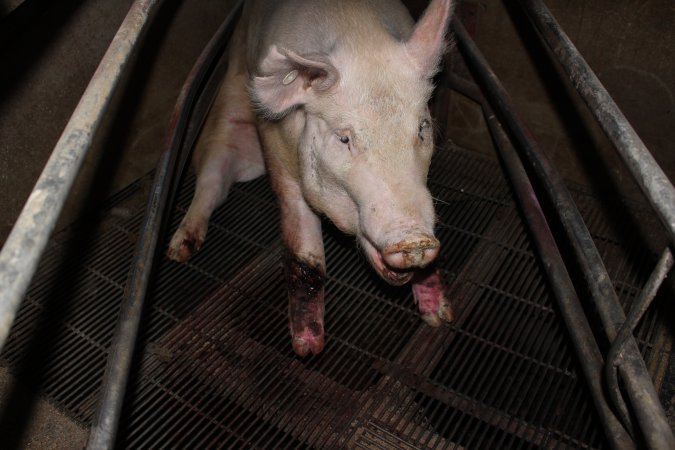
(216, 368)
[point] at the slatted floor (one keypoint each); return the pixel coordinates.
(216, 369)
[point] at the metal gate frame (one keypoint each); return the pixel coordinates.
(22, 251)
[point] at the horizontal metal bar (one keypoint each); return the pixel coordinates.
(22, 251)
(642, 165)
(205, 77)
(648, 409)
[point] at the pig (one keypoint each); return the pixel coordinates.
(329, 97)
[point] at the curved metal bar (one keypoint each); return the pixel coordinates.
(642, 165)
(638, 308)
(188, 114)
(639, 385)
(573, 314)
(22, 251)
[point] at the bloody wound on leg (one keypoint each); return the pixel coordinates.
(305, 305)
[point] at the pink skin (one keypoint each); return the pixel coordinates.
(228, 151)
(429, 294)
(400, 272)
(343, 131)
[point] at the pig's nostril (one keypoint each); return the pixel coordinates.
(413, 244)
(412, 258)
(412, 252)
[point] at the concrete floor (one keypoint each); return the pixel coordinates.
(46, 427)
(49, 53)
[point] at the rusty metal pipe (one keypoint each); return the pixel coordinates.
(22, 251)
(646, 406)
(191, 108)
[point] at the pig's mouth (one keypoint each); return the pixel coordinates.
(396, 275)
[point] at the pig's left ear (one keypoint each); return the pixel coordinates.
(289, 80)
(427, 43)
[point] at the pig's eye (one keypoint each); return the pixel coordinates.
(344, 135)
(424, 125)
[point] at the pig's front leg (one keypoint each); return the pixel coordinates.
(211, 190)
(429, 293)
(228, 151)
(305, 270)
(305, 304)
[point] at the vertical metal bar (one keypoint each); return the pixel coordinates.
(646, 171)
(169, 169)
(21, 254)
(647, 407)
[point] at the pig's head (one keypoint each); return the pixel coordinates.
(366, 136)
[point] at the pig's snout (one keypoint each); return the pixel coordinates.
(414, 251)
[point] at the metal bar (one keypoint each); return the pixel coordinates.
(638, 308)
(573, 314)
(647, 408)
(545, 243)
(642, 165)
(22, 251)
(172, 161)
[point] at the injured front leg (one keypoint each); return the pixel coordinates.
(305, 305)
(305, 265)
(429, 293)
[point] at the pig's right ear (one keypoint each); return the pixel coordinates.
(289, 80)
(427, 43)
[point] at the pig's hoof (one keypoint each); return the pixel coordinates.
(444, 313)
(306, 343)
(184, 245)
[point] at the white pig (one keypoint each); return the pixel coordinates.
(330, 98)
